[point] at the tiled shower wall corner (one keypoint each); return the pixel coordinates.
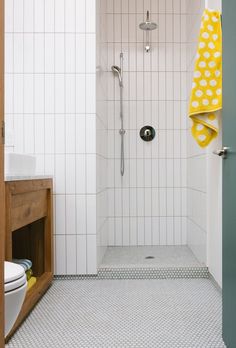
(51, 112)
(197, 157)
(148, 206)
(101, 141)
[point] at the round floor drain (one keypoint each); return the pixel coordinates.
(149, 257)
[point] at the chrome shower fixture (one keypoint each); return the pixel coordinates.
(148, 26)
(117, 71)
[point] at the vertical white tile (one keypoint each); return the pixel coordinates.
(70, 53)
(70, 6)
(49, 53)
(49, 93)
(39, 16)
(59, 133)
(18, 93)
(91, 215)
(18, 15)
(148, 230)
(81, 254)
(141, 236)
(80, 53)
(90, 173)
(118, 231)
(163, 231)
(59, 53)
(60, 214)
(49, 134)
(60, 255)
(70, 95)
(170, 230)
(59, 15)
(39, 93)
(90, 16)
(80, 16)
(59, 93)
(133, 231)
(71, 214)
(9, 10)
(71, 251)
(70, 173)
(70, 134)
(18, 53)
(90, 93)
(60, 174)
(90, 53)
(39, 129)
(80, 129)
(81, 214)
(80, 174)
(91, 254)
(29, 129)
(49, 15)
(91, 133)
(9, 49)
(80, 94)
(29, 93)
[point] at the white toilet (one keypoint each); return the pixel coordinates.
(15, 286)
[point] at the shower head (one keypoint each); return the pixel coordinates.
(117, 71)
(148, 25)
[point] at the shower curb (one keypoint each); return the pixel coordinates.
(142, 273)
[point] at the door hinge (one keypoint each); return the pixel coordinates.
(3, 132)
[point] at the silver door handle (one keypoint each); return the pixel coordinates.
(222, 152)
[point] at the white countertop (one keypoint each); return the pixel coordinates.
(27, 177)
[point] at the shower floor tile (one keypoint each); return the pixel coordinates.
(125, 314)
(163, 257)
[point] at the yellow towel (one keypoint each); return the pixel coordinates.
(206, 95)
(31, 282)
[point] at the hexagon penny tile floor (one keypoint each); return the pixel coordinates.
(183, 313)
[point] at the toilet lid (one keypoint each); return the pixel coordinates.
(8, 287)
(12, 272)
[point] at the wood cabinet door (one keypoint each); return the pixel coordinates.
(2, 184)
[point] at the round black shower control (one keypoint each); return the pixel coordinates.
(147, 133)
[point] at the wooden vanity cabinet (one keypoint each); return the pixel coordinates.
(29, 234)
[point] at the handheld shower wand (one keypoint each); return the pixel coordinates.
(119, 71)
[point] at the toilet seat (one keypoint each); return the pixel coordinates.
(14, 276)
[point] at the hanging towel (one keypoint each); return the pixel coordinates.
(206, 95)
(25, 263)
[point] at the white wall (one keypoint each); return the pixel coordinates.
(204, 172)
(51, 109)
(214, 204)
(197, 160)
(102, 125)
(148, 206)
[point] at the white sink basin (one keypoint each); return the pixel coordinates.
(19, 165)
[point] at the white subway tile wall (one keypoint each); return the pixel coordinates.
(197, 157)
(148, 206)
(62, 104)
(50, 107)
